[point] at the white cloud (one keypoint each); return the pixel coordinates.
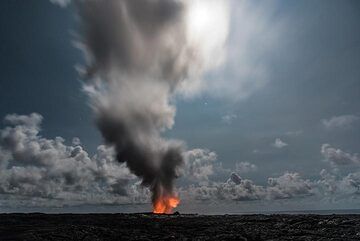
(76, 141)
(35, 167)
(246, 68)
(48, 172)
(228, 119)
(245, 167)
(289, 185)
(353, 180)
(279, 143)
(328, 182)
(61, 3)
(241, 62)
(340, 122)
(245, 190)
(337, 157)
(199, 164)
(333, 185)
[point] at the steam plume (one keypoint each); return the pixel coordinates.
(139, 54)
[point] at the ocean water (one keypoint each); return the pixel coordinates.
(203, 208)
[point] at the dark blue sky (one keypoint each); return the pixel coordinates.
(38, 74)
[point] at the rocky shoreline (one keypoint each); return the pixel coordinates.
(147, 226)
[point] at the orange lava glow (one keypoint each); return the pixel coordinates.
(165, 205)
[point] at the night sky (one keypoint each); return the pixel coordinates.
(283, 108)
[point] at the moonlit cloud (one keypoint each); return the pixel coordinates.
(199, 164)
(289, 185)
(353, 180)
(240, 66)
(61, 3)
(245, 167)
(246, 69)
(340, 122)
(337, 157)
(328, 182)
(244, 190)
(333, 185)
(32, 166)
(279, 143)
(228, 119)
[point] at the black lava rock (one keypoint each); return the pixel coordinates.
(39, 226)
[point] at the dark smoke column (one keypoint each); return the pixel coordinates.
(139, 54)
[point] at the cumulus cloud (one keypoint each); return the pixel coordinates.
(52, 173)
(328, 182)
(76, 141)
(353, 180)
(337, 157)
(244, 190)
(340, 122)
(279, 143)
(32, 166)
(199, 164)
(289, 185)
(331, 184)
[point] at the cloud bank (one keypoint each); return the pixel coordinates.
(50, 172)
(32, 166)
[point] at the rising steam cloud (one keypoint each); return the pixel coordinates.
(140, 54)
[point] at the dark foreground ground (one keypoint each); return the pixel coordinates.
(178, 227)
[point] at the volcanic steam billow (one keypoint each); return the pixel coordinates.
(140, 54)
